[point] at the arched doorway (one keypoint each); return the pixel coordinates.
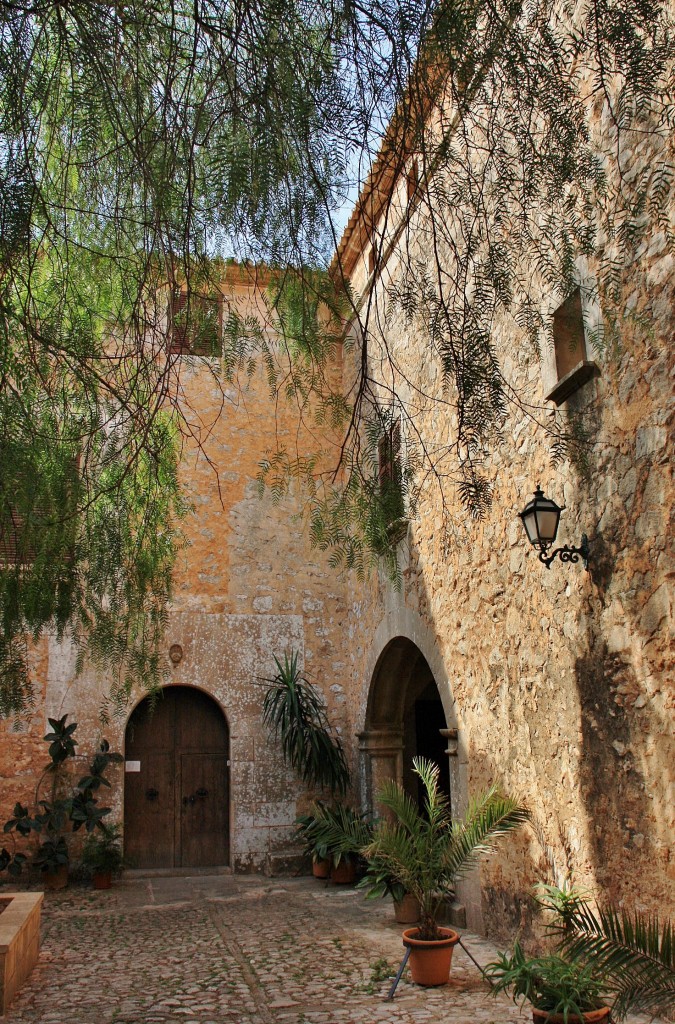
(404, 719)
(176, 788)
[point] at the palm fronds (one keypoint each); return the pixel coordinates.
(634, 953)
(295, 712)
(426, 852)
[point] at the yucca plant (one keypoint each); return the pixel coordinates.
(294, 710)
(633, 953)
(426, 852)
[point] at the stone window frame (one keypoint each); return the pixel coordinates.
(576, 325)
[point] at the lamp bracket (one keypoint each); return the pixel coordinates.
(568, 553)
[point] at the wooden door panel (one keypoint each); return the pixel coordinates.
(204, 810)
(149, 810)
(182, 745)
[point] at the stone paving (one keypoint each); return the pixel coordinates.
(223, 949)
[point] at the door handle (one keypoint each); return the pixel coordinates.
(151, 794)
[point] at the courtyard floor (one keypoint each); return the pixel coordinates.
(224, 949)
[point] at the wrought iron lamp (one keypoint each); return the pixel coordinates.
(540, 518)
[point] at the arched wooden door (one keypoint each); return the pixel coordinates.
(176, 790)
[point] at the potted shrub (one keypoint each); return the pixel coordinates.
(631, 953)
(102, 855)
(378, 883)
(314, 847)
(336, 833)
(426, 852)
(561, 991)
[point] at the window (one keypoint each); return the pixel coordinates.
(572, 367)
(196, 327)
(391, 482)
(389, 454)
(16, 546)
(412, 178)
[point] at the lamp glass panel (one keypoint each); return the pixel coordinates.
(547, 523)
(530, 524)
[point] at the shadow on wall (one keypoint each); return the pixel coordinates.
(616, 794)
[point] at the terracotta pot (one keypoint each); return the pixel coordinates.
(56, 879)
(430, 961)
(592, 1017)
(407, 910)
(344, 873)
(321, 868)
(102, 879)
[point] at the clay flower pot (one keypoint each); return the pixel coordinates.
(407, 909)
(56, 879)
(430, 960)
(344, 873)
(321, 868)
(591, 1017)
(102, 879)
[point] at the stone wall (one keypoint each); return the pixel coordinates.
(248, 586)
(559, 680)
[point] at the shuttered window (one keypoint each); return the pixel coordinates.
(197, 325)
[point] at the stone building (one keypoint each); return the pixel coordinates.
(556, 683)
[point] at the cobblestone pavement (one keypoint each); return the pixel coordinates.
(223, 949)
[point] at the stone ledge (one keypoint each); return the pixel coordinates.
(19, 942)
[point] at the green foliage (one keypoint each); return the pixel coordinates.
(426, 852)
(379, 881)
(294, 711)
(334, 832)
(605, 955)
(68, 807)
(102, 850)
(142, 145)
(633, 953)
(551, 983)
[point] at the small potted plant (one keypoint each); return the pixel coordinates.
(306, 826)
(336, 833)
(379, 883)
(561, 990)
(425, 852)
(102, 855)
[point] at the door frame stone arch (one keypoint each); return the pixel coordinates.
(190, 751)
(380, 732)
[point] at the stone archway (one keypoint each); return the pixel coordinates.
(405, 717)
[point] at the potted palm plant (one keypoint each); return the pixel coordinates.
(425, 852)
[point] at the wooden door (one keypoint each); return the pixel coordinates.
(176, 794)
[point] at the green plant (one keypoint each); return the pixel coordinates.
(379, 882)
(102, 850)
(426, 851)
(551, 983)
(68, 807)
(604, 955)
(294, 711)
(334, 833)
(633, 953)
